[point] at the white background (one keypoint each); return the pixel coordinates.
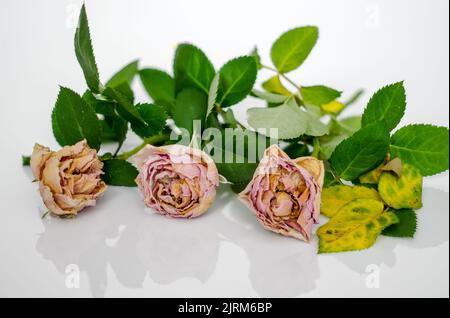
(123, 252)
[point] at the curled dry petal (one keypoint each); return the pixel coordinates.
(176, 180)
(285, 194)
(69, 179)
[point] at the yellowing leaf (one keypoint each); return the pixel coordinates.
(373, 176)
(404, 192)
(334, 198)
(355, 227)
(274, 85)
(334, 107)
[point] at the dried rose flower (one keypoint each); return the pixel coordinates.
(176, 180)
(285, 194)
(69, 179)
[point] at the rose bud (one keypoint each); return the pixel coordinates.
(285, 194)
(69, 179)
(176, 180)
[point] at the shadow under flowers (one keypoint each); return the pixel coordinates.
(133, 243)
(136, 244)
(279, 266)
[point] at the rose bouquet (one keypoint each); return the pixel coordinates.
(295, 158)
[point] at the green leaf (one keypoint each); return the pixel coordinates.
(387, 105)
(85, 53)
(328, 144)
(125, 90)
(292, 48)
(155, 117)
(212, 94)
(356, 226)
(424, 146)
(114, 129)
(237, 78)
(239, 156)
(159, 85)
(238, 173)
(288, 118)
(229, 118)
(315, 127)
(254, 53)
(269, 97)
(124, 106)
(238, 187)
(108, 134)
(361, 152)
(192, 69)
(119, 173)
(125, 75)
(296, 150)
(274, 85)
(74, 120)
(213, 121)
(244, 146)
(406, 227)
(329, 179)
(103, 107)
(191, 104)
(318, 95)
(339, 131)
(348, 125)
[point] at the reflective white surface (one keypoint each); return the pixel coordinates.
(123, 250)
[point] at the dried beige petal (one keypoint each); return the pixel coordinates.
(69, 179)
(284, 194)
(176, 181)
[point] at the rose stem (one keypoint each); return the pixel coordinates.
(220, 110)
(316, 148)
(330, 167)
(147, 141)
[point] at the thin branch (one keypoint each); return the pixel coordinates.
(297, 87)
(147, 141)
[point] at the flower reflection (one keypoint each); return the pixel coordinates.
(136, 245)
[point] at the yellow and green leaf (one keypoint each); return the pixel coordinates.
(274, 85)
(403, 192)
(334, 107)
(373, 176)
(356, 226)
(334, 198)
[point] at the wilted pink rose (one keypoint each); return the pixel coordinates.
(69, 179)
(285, 194)
(176, 180)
